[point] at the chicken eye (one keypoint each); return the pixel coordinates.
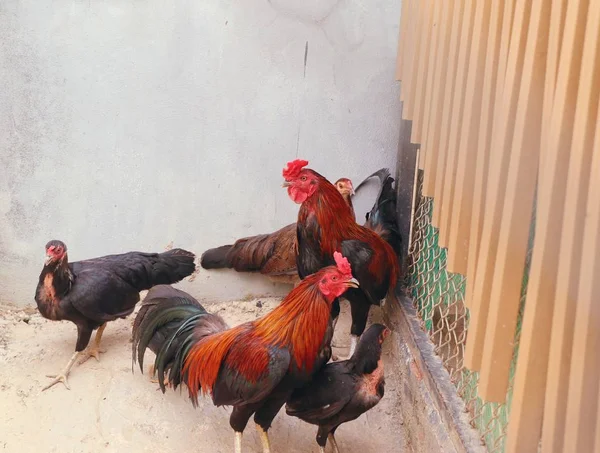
(334, 278)
(303, 178)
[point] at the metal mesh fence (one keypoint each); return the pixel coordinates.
(438, 296)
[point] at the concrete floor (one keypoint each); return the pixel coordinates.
(110, 409)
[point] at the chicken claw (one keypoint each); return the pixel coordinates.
(62, 377)
(94, 350)
(56, 379)
(152, 372)
(90, 352)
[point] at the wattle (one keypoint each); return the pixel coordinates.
(297, 195)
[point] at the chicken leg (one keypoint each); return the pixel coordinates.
(238, 442)
(94, 350)
(62, 377)
(264, 438)
(333, 443)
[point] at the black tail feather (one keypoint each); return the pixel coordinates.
(161, 313)
(169, 322)
(383, 216)
(172, 266)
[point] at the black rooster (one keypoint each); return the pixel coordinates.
(92, 292)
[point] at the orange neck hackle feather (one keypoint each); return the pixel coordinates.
(337, 224)
(298, 323)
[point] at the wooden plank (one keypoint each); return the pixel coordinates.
(557, 23)
(597, 443)
(430, 146)
(562, 151)
(448, 103)
(422, 71)
(571, 245)
(420, 33)
(440, 19)
(460, 221)
(483, 146)
(405, 189)
(513, 236)
(585, 363)
(504, 105)
(445, 203)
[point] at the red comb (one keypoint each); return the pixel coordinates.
(293, 168)
(343, 264)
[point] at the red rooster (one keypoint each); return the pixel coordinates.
(326, 226)
(92, 292)
(273, 255)
(255, 366)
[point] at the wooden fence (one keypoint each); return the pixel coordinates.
(503, 97)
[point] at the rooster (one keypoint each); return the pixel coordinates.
(273, 255)
(325, 226)
(92, 292)
(343, 391)
(255, 366)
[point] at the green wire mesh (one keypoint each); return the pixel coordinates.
(438, 296)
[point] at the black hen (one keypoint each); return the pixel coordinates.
(92, 292)
(343, 391)
(382, 218)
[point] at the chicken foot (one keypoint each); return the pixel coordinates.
(94, 350)
(151, 372)
(264, 438)
(62, 377)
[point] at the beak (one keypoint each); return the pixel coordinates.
(48, 259)
(286, 184)
(353, 283)
(352, 191)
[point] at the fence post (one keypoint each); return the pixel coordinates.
(405, 186)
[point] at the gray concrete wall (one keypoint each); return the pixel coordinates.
(125, 125)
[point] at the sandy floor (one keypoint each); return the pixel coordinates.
(111, 409)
